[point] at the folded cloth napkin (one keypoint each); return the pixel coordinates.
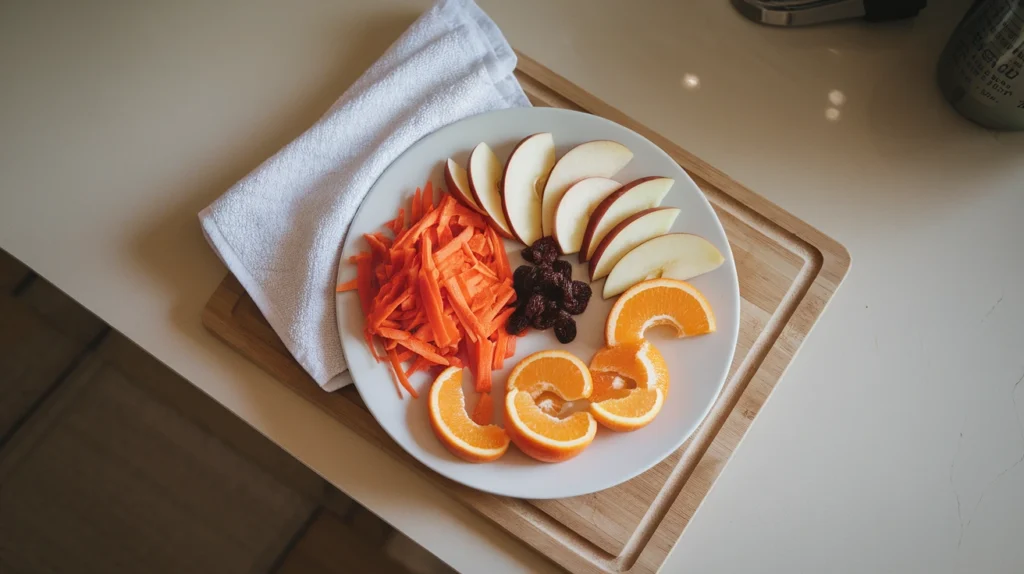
(280, 229)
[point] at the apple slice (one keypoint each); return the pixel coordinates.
(602, 158)
(575, 208)
(635, 230)
(635, 196)
(526, 173)
(680, 256)
(458, 185)
(484, 173)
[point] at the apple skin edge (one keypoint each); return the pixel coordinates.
(456, 193)
(561, 202)
(670, 251)
(549, 193)
(606, 242)
(476, 195)
(501, 190)
(601, 209)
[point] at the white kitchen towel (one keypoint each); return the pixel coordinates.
(280, 229)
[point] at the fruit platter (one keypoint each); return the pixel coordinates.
(537, 303)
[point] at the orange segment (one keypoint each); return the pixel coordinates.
(630, 412)
(538, 388)
(453, 426)
(545, 437)
(556, 371)
(630, 385)
(610, 386)
(638, 362)
(659, 302)
(550, 403)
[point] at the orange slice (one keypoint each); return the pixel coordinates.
(658, 302)
(638, 361)
(533, 429)
(614, 404)
(453, 427)
(559, 372)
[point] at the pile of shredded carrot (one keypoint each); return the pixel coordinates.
(436, 290)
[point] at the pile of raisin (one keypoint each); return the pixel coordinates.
(546, 295)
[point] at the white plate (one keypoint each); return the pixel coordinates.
(698, 366)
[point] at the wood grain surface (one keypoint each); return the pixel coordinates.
(788, 271)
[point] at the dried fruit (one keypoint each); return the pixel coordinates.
(529, 255)
(574, 306)
(565, 330)
(581, 290)
(546, 274)
(554, 286)
(547, 295)
(534, 306)
(563, 268)
(545, 320)
(517, 323)
(543, 251)
(520, 276)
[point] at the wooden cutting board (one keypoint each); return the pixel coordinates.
(788, 271)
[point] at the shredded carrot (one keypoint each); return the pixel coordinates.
(483, 414)
(396, 334)
(400, 375)
(504, 295)
(425, 350)
(484, 352)
(397, 224)
(447, 207)
(498, 360)
(444, 235)
(414, 232)
(504, 270)
(454, 244)
(417, 205)
(438, 293)
(420, 364)
(430, 295)
(478, 244)
(428, 197)
(462, 311)
(347, 286)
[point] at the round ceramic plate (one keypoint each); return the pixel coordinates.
(698, 365)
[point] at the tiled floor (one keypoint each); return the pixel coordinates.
(109, 462)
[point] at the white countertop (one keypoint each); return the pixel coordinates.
(894, 442)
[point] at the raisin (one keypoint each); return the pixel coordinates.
(529, 282)
(519, 278)
(565, 330)
(517, 323)
(581, 290)
(543, 251)
(554, 286)
(529, 255)
(573, 305)
(544, 320)
(534, 306)
(563, 268)
(552, 306)
(546, 274)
